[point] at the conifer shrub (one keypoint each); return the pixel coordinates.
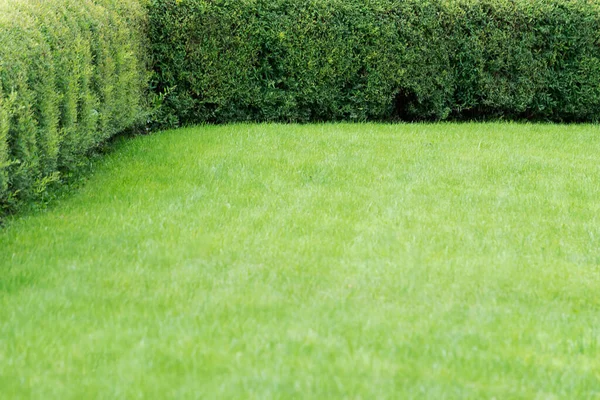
(72, 74)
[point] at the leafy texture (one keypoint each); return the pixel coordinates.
(3, 148)
(292, 60)
(72, 74)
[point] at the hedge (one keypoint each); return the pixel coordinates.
(315, 60)
(72, 74)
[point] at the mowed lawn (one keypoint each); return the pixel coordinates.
(441, 261)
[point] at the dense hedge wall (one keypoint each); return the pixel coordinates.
(72, 74)
(305, 60)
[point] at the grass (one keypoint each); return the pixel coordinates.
(318, 261)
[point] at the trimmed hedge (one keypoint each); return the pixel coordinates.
(72, 74)
(315, 60)
(534, 59)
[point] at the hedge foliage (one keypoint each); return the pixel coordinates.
(307, 60)
(72, 74)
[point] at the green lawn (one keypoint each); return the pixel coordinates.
(318, 261)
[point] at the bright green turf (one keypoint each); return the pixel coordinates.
(319, 261)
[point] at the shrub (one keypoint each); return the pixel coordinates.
(312, 60)
(3, 149)
(535, 59)
(72, 74)
(293, 60)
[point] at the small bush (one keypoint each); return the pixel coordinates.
(72, 74)
(311, 60)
